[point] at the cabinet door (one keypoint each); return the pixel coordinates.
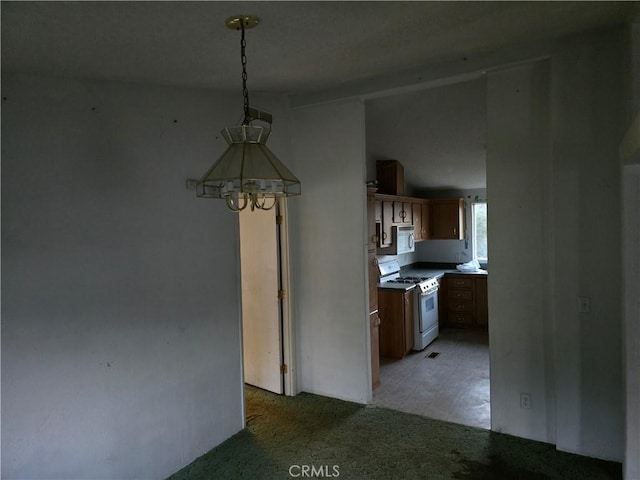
(401, 212)
(374, 325)
(447, 219)
(426, 220)
(442, 301)
(387, 222)
(482, 310)
(391, 311)
(372, 238)
(373, 281)
(418, 230)
(408, 321)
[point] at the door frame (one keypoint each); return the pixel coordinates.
(286, 321)
(287, 335)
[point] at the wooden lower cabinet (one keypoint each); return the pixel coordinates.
(482, 304)
(374, 325)
(374, 319)
(463, 301)
(395, 308)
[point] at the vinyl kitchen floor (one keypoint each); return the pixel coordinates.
(452, 386)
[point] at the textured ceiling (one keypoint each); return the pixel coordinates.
(301, 48)
(298, 47)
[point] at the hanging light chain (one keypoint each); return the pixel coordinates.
(245, 90)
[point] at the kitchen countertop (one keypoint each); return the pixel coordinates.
(427, 270)
(435, 271)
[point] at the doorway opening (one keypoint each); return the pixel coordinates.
(439, 134)
(266, 320)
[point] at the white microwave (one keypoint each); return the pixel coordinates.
(402, 241)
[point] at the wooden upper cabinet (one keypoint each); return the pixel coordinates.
(390, 176)
(426, 219)
(372, 240)
(378, 211)
(420, 209)
(386, 231)
(402, 211)
(418, 230)
(447, 219)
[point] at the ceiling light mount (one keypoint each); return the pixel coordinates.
(238, 21)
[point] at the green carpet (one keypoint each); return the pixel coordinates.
(289, 436)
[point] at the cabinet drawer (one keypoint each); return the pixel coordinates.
(455, 305)
(461, 294)
(460, 282)
(460, 319)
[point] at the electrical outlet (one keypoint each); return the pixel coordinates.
(584, 304)
(525, 401)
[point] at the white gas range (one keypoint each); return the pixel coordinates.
(425, 297)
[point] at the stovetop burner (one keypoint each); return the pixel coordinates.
(390, 275)
(403, 280)
(412, 279)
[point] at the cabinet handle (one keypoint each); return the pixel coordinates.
(384, 236)
(403, 214)
(377, 321)
(375, 261)
(455, 231)
(374, 239)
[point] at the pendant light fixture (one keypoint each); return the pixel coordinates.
(248, 173)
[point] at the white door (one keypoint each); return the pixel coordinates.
(261, 312)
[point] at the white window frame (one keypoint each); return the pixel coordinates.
(474, 242)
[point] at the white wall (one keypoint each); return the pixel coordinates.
(630, 153)
(518, 170)
(587, 115)
(120, 313)
(554, 183)
(556, 236)
(631, 331)
(328, 249)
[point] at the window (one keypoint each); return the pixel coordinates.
(479, 231)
